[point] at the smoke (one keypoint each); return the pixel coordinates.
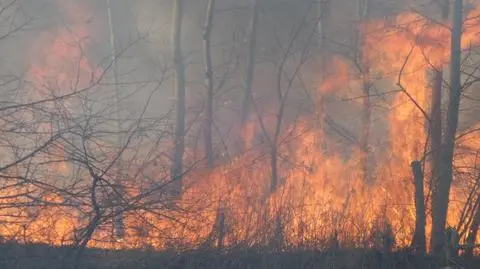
(311, 81)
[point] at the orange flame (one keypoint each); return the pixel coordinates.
(321, 192)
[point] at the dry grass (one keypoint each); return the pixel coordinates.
(41, 256)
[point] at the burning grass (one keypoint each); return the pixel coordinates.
(321, 200)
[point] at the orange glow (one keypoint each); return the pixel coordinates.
(320, 192)
(337, 80)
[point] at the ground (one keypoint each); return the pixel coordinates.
(46, 257)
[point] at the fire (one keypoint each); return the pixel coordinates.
(321, 196)
(58, 68)
(338, 79)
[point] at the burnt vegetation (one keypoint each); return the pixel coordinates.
(239, 134)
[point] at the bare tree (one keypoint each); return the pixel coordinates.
(209, 83)
(219, 225)
(361, 63)
(250, 63)
(441, 199)
(435, 127)
(180, 106)
(119, 225)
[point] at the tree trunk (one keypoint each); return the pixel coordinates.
(441, 201)
(363, 11)
(118, 222)
(435, 128)
(209, 85)
(436, 131)
(250, 64)
(419, 241)
(180, 107)
(365, 139)
(274, 165)
(219, 227)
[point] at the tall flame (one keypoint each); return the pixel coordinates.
(321, 195)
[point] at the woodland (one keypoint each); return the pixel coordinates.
(239, 134)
